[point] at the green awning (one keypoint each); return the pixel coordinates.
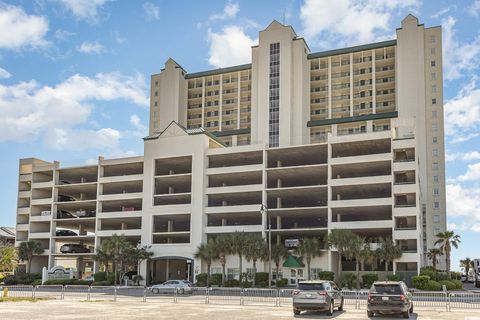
(293, 262)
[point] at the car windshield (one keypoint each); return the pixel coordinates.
(311, 286)
(387, 289)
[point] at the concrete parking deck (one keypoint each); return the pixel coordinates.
(73, 310)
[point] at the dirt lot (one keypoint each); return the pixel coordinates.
(72, 310)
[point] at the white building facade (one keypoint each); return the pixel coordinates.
(349, 138)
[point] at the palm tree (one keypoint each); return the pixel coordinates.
(388, 251)
(223, 248)
(466, 264)
(279, 252)
(27, 249)
(432, 255)
(238, 242)
(118, 250)
(340, 239)
(207, 253)
(8, 258)
(309, 249)
(447, 240)
(359, 250)
(255, 250)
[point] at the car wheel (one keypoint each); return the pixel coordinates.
(341, 306)
(406, 314)
(330, 309)
(155, 290)
(370, 314)
(296, 312)
(182, 291)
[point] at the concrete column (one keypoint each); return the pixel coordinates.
(123, 226)
(224, 222)
(169, 226)
(81, 230)
(339, 217)
(220, 108)
(279, 203)
(329, 87)
(374, 85)
(351, 84)
(203, 102)
(370, 126)
(279, 183)
(334, 130)
(279, 163)
(171, 190)
(279, 222)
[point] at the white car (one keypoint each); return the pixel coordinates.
(182, 286)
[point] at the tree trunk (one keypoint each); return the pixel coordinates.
(29, 263)
(434, 263)
(240, 267)
(339, 266)
(208, 274)
(308, 269)
(357, 269)
(223, 274)
(447, 260)
(386, 267)
(277, 265)
(254, 271)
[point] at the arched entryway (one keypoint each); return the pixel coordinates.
(161, 269)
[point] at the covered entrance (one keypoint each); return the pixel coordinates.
(296, 270)
(162, 269)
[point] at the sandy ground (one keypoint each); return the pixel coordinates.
(71, 310)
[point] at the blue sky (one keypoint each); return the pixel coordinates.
(74, 74)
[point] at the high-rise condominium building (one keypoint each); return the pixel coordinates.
(350, 138)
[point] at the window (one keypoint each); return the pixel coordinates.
(215, 270)
(435, 166)
(433, 76)
(155, 114)
(432, 51)
(274, 273)
(156, 83)
(233, 273)
(155, 124)
(432, 63)
(435, 178)
(436, 192)
(432, 39)
(314, 273)
(436, 205)
(436, 218)
(434, 101)
(156, 94)
(434, 114)
(155, 104)
(435, 152)
(434, 88)
(436, 231)
(434, 126)
(274, 96)
(434, 139)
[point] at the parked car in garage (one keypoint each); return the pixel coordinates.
(317, 295)
(65, 198)
(74, 248)
(65, 233)
(389, 297)
(182, 286)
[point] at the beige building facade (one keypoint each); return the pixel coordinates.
(350, 138)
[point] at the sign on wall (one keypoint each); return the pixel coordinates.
(57, 273)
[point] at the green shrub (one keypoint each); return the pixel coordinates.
(440, 276)
(348, 280)
(232, 283)
(393, 277)
(37, 282)
(261, 277)
(100, 276)
(246, 284)
(215, 279)
(111, 277)
(427, 271)
(35, 275)
(10, 280)
(420, 282)
(281, 283)
(101, 283)
(432, 286)
(368, 279)
(456, 275)
(72, 282)
(448, 284)
(1, 277)
(326, 275)
(458, 284)
(201, 280)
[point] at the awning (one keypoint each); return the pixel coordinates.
(293, 262)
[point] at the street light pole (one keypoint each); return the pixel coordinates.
(264, 210)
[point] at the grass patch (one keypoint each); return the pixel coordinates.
(15, 299)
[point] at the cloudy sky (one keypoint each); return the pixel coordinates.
(74, 74)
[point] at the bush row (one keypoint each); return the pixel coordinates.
(425, 283)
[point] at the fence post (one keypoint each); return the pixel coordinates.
(448, 302)
(144, 294)
(207, 295)
(115, 293)
(175, 293)
(62, 297)
(33, 292)
(88, 293)
(277, 299)
(242, 293)
(357, 302)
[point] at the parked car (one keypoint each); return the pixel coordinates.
(64, 214)
(85, 213)
(45, 213)
(389, 297)
(65, 198)
(317, 295)
(65, 233)
(74, 248)
(182, 286)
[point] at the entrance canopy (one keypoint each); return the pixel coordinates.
(293, 262)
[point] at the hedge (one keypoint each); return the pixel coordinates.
(432, 286)
(448, 284)
(420, 282)
(75, 282)
(201, 280)
(215, 279)
(281, 283)
(232, 283)
(326, 275)
(393, 277)
(348, 280)
(100, 276)
(368, 279)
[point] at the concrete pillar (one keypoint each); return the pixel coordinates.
(171, 190)
(224, 222)
(81, 230)
(279, 222)
(334, 129)
(169, 225)
(123, 226)
(279, 163)
(370, 126)
(171, 172)
(279, 183)
(339, 218)
(224, 203)
(279, 202)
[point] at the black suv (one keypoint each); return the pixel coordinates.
(74, 248)
(65, 233)
(387, 297)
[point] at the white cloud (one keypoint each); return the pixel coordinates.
(84, 9)
(443, 11)
(91, 47)
(458, 59)
(79, 139)
(462, 113)
(349, 21)
(152, 12)
(29, 111)
(465, 203)
(140, 129)
(63, 34)
(468, 156)
(19, 30)
(229, 12)
(230, 47)
(475, 8)
(4, 74)
(474, 155)
(472, 174)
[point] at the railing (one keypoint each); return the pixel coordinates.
(277, 297)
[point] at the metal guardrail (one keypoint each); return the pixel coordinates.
(439, 300)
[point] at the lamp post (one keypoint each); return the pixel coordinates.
(264, 211)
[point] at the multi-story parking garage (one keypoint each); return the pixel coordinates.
(344, 139)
